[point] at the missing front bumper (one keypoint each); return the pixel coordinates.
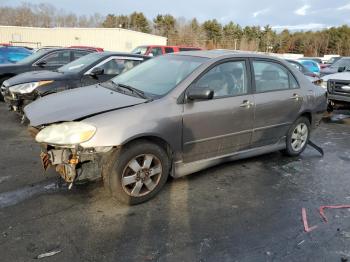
(73, 164)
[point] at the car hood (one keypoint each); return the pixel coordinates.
(76, 104)
(35, 76)
(337, 76)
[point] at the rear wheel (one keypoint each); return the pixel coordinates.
(297, 137)
(138, 173)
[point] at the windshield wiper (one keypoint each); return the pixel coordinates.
(133, 90)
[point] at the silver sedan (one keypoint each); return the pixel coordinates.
(175, 115)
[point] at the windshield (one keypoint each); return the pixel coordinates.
(141, 50)
(34, 57)
(341, 63)
(160, 75)
(333, 60)
(80, 64)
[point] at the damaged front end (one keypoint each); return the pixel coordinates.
(75, 164)
(60, 149)
(17, 102)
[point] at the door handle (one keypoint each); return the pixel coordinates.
(296, 97)
(246, 104)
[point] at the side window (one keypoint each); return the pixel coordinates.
(117, 66)
(293, 82)
(169, 50)
(78, 54)
(270, 76)
(226, 79)
(156, 51)
(57, 58)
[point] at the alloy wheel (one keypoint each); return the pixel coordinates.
(299, 137)
(141, 175)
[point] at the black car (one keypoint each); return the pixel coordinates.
(44, 59)
(88, 70)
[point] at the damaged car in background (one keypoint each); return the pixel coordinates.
(175, 115)
(44, 59)
(87, 70)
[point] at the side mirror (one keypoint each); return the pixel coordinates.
(41, 63)
(341, 69)
(200, 94)
(97, 71)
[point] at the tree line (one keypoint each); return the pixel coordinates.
(180, 31)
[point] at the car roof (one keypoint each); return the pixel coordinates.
(217, 53)
(110, 53)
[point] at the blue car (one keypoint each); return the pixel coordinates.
(13, 54)
(311, 65)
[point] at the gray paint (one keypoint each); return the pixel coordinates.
(195, 131)
(76, 103)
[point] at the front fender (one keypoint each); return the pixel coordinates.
(162, 119)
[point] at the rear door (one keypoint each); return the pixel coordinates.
(112, 67)
(278, 100)
(223, 125)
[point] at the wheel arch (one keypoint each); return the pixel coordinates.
(308, 115)
(156, 139)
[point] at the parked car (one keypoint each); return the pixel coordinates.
(333, 60)
(338, 87)
(315, 59)
(311, 65)
(45, 59)
(13, 54)
(314, 78)
(156, 50)
(338, 66)
(330, 62)
(87, 70)
(175, 115)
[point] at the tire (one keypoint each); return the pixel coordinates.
(297, 138)
(137, 172)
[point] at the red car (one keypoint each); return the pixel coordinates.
(156, 50)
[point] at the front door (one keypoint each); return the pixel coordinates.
(223, 125)
(278, 100)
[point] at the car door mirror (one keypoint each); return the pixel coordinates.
(41, 63)
(341, 69)
(97, 71)
(200, 94)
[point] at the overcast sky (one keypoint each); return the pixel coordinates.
(292, 14)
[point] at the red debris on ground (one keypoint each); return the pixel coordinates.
(322, 208)
(306, 225)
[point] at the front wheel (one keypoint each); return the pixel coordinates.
(138, 173)
(297, 137)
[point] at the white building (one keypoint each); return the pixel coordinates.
(111, 39)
